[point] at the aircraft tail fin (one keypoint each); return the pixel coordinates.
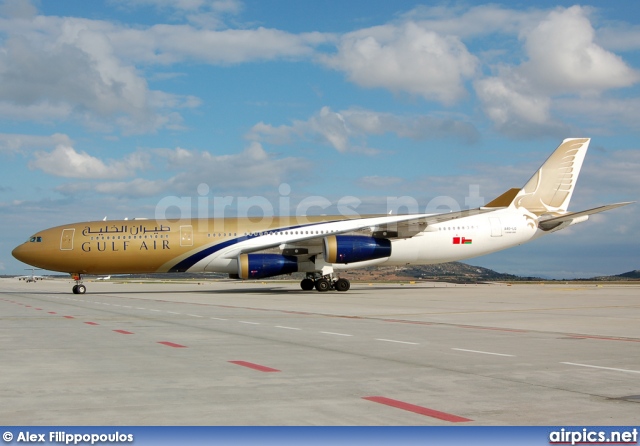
(549, 190)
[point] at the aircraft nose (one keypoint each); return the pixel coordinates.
(21, 253)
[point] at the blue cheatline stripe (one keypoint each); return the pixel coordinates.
(187, 263)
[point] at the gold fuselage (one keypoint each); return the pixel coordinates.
(142, 246)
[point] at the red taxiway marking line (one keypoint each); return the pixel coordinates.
(510, 330)
(123, 331)
(52, 312)
(417, 409)
(92, 323)
(251, 365)
(407, 322)
(69, 317)
(171, 344)
(38, 308)
(603, 338)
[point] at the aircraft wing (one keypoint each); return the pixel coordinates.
(387, 226)
(410, 227)
(551, 223)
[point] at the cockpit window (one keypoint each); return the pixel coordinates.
(38, 239)
(32, 239)
(35, 239)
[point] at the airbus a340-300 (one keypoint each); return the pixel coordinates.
(318, 246)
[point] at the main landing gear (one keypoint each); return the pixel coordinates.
(78, 288)
(324, 283)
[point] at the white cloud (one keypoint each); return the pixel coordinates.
(204, 13)
(516, 109)
(327, 126)
(14, 142)
(64, 161)
(602, 115)
(471, 22)
(406, 58)
(55, 69)
(66, 68)
(252, 168)
(230, 6)
(347, 130)
(563, 59)
(612, 173)
(169, 44)
(18, 9)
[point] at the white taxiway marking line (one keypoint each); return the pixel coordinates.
(287, 328)
(483, 353)
(193, 315)
(172, 312)
(602, 368)
(219, 319)
(138, 308)
(126, 306)
(335, 334)
(151, 309)
(398, 342)
(250, 323)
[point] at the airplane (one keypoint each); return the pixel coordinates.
(103, 278)
(32, 278)
(319, 246)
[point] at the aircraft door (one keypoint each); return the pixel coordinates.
(496, 227)
(186, 235)
(66, 240)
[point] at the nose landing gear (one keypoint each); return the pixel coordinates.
(78, 288)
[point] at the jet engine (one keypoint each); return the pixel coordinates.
(355, 248)
(258, 266)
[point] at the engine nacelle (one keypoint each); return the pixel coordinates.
(258, 266)
(355, 248)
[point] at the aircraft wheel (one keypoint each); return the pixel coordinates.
(342, 285)
(75, 289)
(81, 289)
(323, 285)
(307, 284)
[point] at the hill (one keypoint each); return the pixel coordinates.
(443, 272)
(635, 274)
(631, 275)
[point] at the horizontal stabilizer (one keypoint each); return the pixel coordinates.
(551, 223)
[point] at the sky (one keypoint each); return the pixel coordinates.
(147, 108)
